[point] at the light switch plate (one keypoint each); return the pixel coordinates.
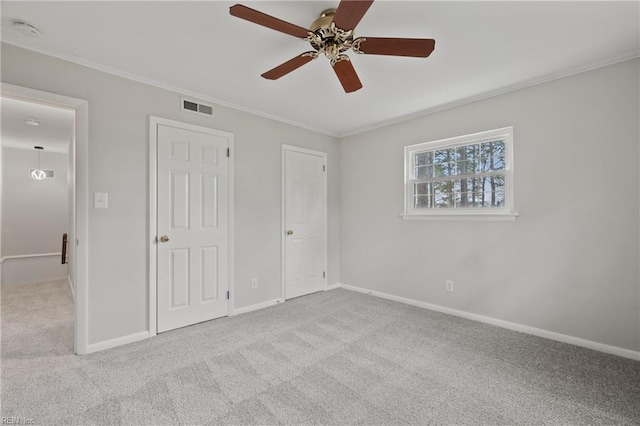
(100, 200)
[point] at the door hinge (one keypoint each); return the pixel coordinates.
(227, 294)
(228, 152)
(324, 168)
(324, 274)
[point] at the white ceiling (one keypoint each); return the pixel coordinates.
(197, 48)
(53, 134)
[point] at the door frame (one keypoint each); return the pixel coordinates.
(152, 246)
(81, 182)
(283, 211)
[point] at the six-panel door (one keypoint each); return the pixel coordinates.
(193, 217)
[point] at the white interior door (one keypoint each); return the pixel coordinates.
(192, 227)
(305, 210)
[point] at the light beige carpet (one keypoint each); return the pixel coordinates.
(330, 358)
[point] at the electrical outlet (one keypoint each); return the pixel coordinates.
(449, 285)
(254, 283)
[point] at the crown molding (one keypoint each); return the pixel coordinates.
(492, 93)
(339, 135)
(161, 85)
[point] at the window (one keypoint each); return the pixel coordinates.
(463, 177)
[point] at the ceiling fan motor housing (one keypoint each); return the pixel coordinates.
(326, 38)
(325, 20)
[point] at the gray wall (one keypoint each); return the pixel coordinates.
(34, 212)
(568, 264)
(119, 112)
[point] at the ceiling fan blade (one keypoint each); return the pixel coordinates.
(290, 65)
(416, 47)
(268, 21)
(347, 75)
(350, 12)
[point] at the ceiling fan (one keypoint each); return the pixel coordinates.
(332, 35)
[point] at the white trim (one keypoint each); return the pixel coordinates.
(153, 226)
(81, 169)
(283, 225)
(460, 214)
(165, 86)
(491, 93)
(73, 290)
(1, 198)
(118, 341)
(455, 217)
(231, 224)
(23, 256)
(153, 218)
(261, 305)
(589, 344)
(332, 286)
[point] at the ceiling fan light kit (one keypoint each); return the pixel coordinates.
(332, 35)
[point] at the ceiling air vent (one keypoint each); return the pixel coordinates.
(197, 107)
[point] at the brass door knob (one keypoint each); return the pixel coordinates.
(289, 232)
(164, 239)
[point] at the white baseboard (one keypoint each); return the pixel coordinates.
(268, 303)
(118, 341)
(28, 256)
(73, 290)
(601, 347)
(30, 269)
(255, 307)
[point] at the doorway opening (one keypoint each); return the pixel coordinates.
(44, 216)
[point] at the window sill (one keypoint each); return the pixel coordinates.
(495, 216)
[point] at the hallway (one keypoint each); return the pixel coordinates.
(37, 325)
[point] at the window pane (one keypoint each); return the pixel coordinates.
(444, 161)
(491, 192)
(465, 161)
(497, 191)
(492, 156)
(421, 202)
(498, 155)
(423, 195)
(477, 191)
(473, 158)
(423, 158)
(423, 172)
(466, 167)
(466, 193)
(421, 188)
(443, 194)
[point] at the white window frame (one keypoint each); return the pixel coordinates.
(468, 213)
